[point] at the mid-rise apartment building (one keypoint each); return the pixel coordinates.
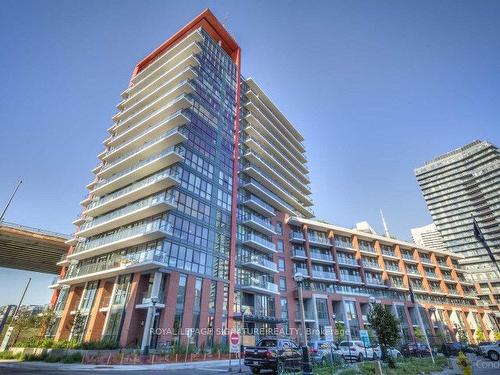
(199, 213)
(457, 186)
(428, 236)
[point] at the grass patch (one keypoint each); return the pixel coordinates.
(409, 366)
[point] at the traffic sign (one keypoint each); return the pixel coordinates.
(328, 333)
(234, 339)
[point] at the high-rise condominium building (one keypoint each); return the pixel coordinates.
(457, 186)
(196, 210)
(428, 236)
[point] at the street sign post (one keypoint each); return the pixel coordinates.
(234, 345)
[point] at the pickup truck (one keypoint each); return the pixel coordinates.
(273, 354)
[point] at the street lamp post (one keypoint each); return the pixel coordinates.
(306, 363)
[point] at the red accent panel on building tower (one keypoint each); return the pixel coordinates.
(212, 26)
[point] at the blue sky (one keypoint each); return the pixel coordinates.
(375, 87)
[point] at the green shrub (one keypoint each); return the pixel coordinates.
(10, 355)
(72, 358)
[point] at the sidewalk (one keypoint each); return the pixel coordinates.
(36, 365)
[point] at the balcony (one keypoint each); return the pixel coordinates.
(173, 121)
(150, 185)
(367, 250)
(147, 149)
(173, 85)
(142, 169)
(302, 271)
(432, 276)
(299, 254)
(409, 257)
(122, 238)
(260, 264)
(117, 264)
(286, 199)
(398, 285)
(276, 175)
(146, 300)
(256, 188)
(346, 278)
(186, 46)
(321, 257)
(319, 241)
(297, 236)
(426, 260)
(344, 261)
(389, 254)
(149, 114)
(393, 269)
(444, 265)
(413, 273)
(437, 291)
(259, 243)
(375, 281)
(261, 225)
(418, 287)
(259, 286)
(324, 275)
(371, 265)
(258, 205)
(128, 214)
(344, 246)
(155, 118)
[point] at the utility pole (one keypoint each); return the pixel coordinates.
(10, 200)
(10, 328)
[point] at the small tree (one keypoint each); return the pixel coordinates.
(385, 325)
(419, 334)
(480, 336)
(497, 336)
(462, 336)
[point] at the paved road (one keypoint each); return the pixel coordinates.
(212, 369)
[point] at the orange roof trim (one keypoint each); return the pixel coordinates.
(212, 26)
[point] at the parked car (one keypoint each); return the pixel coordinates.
(415, 350)
(491, 351)
(453, 348)
(273, 354)
(393, 352)
(322, 351)
(356, 350)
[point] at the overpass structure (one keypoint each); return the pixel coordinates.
(31, 249)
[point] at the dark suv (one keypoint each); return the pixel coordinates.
(273, 354)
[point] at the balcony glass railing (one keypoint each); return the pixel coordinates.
(367, 249)
(268, 192)
(431, 274)
(320, 240)
(345, 260)
(302, 271)
(413, 272)
(260, 240)
(259, 201)
(344, 245)
(144, 203)
(121, 234)
(146, 297)
(294, 235)
(408, 256)
(115, 261)
(166, 173)
(177, 149)
(299, 253)
(143, 146)
(393, 268)
(262, 262)
(321, 256)
(389, 253)
(374, 281)
(324, 274)
(261, 284)
(425, 260)
(348, 277)
(263, 222)
(371, 265)
(173, 115)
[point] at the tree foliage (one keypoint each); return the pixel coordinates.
(480, 336)
(386, 327)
